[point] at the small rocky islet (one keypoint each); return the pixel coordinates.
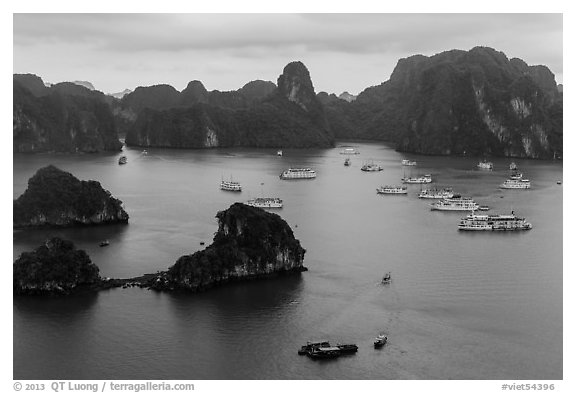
(55, 198)
(250, 244)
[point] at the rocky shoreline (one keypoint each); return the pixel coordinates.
(250, 244)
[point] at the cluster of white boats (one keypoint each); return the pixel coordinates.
(447, 200)
(269, 202)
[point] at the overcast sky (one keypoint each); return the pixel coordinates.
(344, 52)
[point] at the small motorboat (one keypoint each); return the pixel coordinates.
(347, 162)
(380, 341)
(387, 279)
(122, 160)
(558, 182)
(279, 153)
(202, 243)
(104, 243)
(483, 208)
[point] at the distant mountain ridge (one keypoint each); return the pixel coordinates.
(259, 115)
(475, 102)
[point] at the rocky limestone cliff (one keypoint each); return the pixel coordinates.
(33, 83)
(63, 118)
(249, 243)
(57, 198)
(475, 102)
(287, 117)
(347, 96)
(295, 85)
(85, 84)
(56, 267)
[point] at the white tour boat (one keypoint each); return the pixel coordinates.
(485, 165)
(265, 203)
(456, 204)
(371, 167)
(298, 173)
(435, 193)
(349, 150)
(499, 222)
(398, 190)
(408, 163)
(516, 184)
(230, 185)
(417, 180)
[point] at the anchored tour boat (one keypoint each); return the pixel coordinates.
(408, 163)
(435, 193)
(398, 190)
(349, 150)
(265, 203)
(487, 165)
(230, 186)
(371, 167)
(511, 184)
(499, 222)
(456, 204)
(298, 173)
(417, 180)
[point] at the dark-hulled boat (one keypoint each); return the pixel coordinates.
(325, 353)
(310, 345)
(347, 348)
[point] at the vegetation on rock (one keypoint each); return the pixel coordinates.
(65, 118)
(250, 242)
(475, 102)
(56, 198)
(288, 116)
(55, 267)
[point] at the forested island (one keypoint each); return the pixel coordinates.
(250, 244)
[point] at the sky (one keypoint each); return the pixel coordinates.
(343, 52)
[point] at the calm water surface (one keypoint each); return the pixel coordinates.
(461, 305)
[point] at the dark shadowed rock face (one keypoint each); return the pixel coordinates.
(249, 243)
(193, 93)
(57, 198)
(475, 102)
(55, 267)
(287, 117)
(33, 83)
(257, 90)
(65, 118)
